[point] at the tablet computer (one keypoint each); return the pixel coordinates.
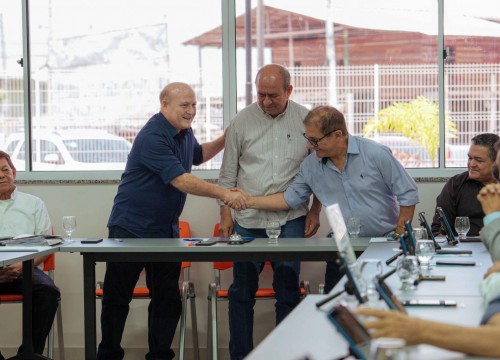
(337, 223)
(388, 296)
(445, 226)
(353, 277)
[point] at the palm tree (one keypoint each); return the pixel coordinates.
(418, 120)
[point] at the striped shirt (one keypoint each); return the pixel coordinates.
(262, 156)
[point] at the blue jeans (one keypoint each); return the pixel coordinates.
(245, 285)
(164, 309)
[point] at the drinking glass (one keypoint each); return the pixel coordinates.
(462, 225)
(425, 250)
(273, 230)
(370, 269)
(69, 225)
(408, 271)
(420, 233)
(354, 227)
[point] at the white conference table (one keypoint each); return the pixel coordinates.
(164, 250)
(307, 333)
(10, 256)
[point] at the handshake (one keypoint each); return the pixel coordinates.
(236, 199)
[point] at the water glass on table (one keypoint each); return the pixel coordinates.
(420, 233)
(462, 226)
(425, 250)
(408, 271)
(354, 227)
(273, 230)
(370, 269)
(69, 226)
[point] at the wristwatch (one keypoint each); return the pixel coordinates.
(398, 232)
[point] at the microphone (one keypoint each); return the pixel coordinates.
(393, 258)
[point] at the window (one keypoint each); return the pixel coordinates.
(472, 74)
(378, 61)
(101, 72)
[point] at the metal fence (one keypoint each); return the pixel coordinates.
(121, 102)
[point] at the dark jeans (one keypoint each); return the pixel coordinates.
(164, 310)
(245, 285)
(46, 298)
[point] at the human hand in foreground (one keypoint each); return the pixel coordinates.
(492, 269)
(390, 323)
(489, 197)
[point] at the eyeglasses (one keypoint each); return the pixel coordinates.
(315, 142)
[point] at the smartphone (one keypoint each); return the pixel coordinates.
(205, 243)
(352, 330)
(388, 296)
(458, 263)
(430, 303)
(432, 278)
(90, 241)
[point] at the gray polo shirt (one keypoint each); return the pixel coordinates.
(262, 156)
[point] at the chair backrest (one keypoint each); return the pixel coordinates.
(184, 229)
(221, 265)
(185, 232)
(49, 263)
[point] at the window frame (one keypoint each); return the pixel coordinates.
(229, 91)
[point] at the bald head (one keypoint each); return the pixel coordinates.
(273, 89)
(178, 105)
(274, 72)
(174, 88)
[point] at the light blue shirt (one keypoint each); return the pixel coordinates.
(490, 217)
(371, 186)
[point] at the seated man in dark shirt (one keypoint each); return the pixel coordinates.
(459, 195)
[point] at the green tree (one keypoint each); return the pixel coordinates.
(418, 120)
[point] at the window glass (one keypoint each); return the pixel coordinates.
(374, 60)
(472, 74)
(99, 72)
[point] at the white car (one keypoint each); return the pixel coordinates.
(70, 150)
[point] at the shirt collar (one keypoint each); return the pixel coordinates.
(170, 129)
(352, 147)
(278, 116)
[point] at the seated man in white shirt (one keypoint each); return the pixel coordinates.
(22, 213)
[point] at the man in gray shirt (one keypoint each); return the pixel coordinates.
(263, 151)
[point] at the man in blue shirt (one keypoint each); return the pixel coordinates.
(148, 204)
(359, 174)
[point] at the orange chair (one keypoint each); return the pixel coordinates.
(49, 266)
(187, 292)
(216, 293)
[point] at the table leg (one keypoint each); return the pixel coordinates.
(89, 306)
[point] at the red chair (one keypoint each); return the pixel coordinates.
(187, 292)
(217, 293)
(49, 266)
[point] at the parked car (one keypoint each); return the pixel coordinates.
(413, 155)
(70, 150)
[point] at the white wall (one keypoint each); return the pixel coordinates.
(91, 203)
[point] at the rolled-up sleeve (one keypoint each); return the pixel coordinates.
(298, 192)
